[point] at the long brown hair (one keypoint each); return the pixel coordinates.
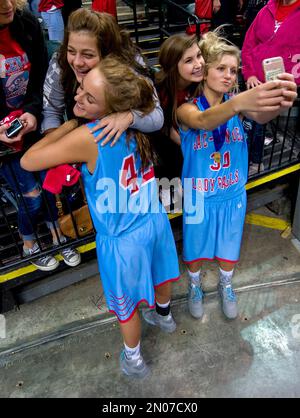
(167, 78)
(110, 40)
(126, 90)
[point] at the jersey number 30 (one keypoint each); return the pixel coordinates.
(217, 165)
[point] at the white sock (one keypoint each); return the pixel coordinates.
(62, 240)
(163, 305)
(226, 276)
(133, 353)
(195, 277)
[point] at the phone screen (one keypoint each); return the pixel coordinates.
(15, 127)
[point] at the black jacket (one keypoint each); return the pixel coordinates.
(26, 30)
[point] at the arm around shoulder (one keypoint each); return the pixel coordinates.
(62, 146)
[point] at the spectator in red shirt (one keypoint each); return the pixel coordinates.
(108, 6)
(204, 9)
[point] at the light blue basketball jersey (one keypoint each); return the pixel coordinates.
(119, 192)
(135, 245)
(208, 176)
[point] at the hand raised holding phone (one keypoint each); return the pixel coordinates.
(273, 67)
(274, 70)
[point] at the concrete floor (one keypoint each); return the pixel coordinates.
(66, 345)
(254, 356)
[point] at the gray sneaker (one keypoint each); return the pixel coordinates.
(195, 301)
(135, 368)
(71, 256)
(165, 323)
(45, 262)
(228, 300)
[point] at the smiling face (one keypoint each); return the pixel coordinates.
(82, 53)
(190, 66)
(90, 96)
(222, 75)
(7, 11)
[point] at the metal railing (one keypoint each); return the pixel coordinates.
(165, 22)
(11, 244)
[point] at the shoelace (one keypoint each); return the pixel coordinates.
(45, 259)
(230, 293)
(198, 294)
(68, 252)
(138, 361)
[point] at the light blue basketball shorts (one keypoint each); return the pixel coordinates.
(219, 235)
(135, 263)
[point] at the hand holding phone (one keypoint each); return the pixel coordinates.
(15, 126)
(273, 67)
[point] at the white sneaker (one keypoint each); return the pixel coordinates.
(268, 140)
(166, 198)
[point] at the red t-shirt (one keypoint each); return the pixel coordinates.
(204, 9)
(45, 5)
(108, 6)
(14, 70)
(283, 11)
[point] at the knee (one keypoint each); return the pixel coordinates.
(32, 200)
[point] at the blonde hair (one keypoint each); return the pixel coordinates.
(21, 4)
(126, 90)
(213, 47)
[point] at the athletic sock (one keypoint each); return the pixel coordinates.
(133, 353)
(62, 240)
(163, 309)
(195, 277)
(226, 276)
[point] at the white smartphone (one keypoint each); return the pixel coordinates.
(273, 67)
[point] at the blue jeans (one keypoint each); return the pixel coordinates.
(55, 25)
(23, 182)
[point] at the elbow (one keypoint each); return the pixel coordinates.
(26, 163)
(23, 162)
(158, 120)
(160, 123)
